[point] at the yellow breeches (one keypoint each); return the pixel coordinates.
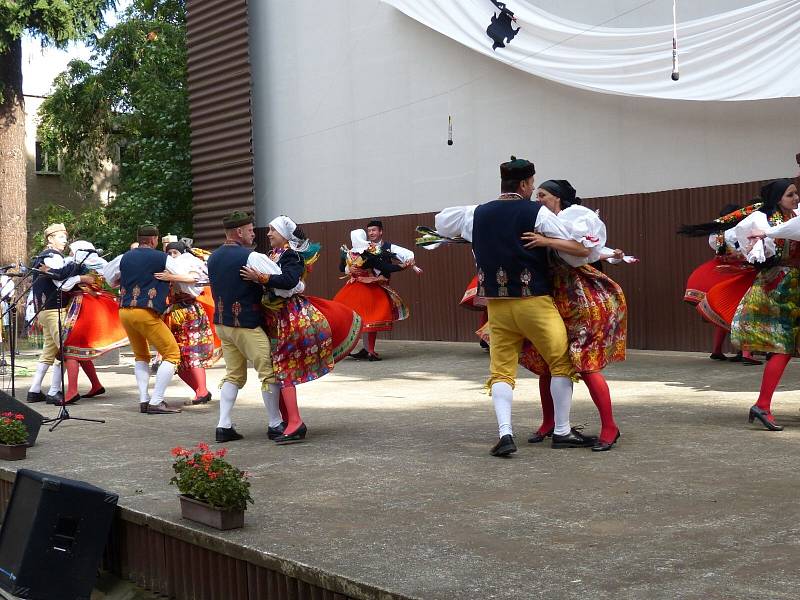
(512, 321)
(240, 344)
(48, 319)
(145, 328)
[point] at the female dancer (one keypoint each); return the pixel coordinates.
(593, 308)
(367, 290)
(189, 322)
(766, 319)
(92, 327)
(308, 334)
(716, 278)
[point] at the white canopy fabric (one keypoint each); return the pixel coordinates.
(752, 53)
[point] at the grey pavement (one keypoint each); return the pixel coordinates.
(395, 486)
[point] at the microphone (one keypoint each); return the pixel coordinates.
(9, 266)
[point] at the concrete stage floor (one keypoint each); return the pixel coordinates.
(395, 486)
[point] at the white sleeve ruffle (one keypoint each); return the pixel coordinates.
(111, 273)
(754, 251)
(456, 221)
(263, 264)
(585, 227)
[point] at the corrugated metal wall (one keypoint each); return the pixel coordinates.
(219, 106)
(641, 224)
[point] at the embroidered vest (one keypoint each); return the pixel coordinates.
(138, 288)
(45, 295)
(237, 301)
(506, 269)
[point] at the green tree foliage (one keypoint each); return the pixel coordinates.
(130, 96)
(54, 22)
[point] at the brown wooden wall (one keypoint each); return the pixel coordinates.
(219, 83)
(641, 224)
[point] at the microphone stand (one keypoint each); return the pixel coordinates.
(11, 313)
(63, 413)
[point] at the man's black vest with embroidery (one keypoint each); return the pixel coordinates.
(45, 294)
(138, 288)
(237, 302)
(506, 269)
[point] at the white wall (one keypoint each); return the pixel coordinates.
(351, 100)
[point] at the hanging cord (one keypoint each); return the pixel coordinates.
(675, 74)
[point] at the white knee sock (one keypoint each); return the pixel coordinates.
(227, 398)
(271, 398)
(561, 390)
(163, 376)
(38, 376)
(55, 383)
(142, 370)
(502, 394)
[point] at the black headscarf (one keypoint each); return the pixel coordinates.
(179, 246)
(772, 193)
(563, 190)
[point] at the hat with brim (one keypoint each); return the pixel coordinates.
(54, 228)
(237, 219)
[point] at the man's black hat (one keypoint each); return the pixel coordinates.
(517, 169)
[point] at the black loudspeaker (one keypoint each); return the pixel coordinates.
(33, 420)
(53, 536)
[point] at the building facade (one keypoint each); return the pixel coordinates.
(349, 104)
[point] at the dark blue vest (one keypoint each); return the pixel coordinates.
(506, 269)
(237, 301)
(137, 286)
(45, 294)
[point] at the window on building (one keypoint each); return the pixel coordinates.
(45, 163)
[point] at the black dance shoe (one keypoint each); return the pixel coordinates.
(276, 432)
(57, 398)
(72, 400)
(298, 436)
(35, 397)
(143, 407)
(505, 446)
(718, 356)
(227, 434)
(360, 355)
(373, 357)
(196, 401)
(540, 437)
(762, 415)
(573, 439)
(601, 446)
(746, 360)
(102, 390)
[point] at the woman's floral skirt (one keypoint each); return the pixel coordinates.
(189, 324)
(596, 316)
(767, 317)
(92, 326)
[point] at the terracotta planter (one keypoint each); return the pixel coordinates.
(15, 452)
(194, 510)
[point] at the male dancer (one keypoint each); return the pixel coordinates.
(406, 260)
(516, 283)
(49, 300)
(238, 319)
(143, 301)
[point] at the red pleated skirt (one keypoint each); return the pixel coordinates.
(377, 304)
(93, 327)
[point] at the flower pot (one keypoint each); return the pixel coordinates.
(13, 452)
(194, 510)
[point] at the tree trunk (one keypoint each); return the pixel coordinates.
(13, 202)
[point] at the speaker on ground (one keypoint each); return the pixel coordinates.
(53, 536)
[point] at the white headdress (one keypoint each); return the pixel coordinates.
(285, 226)
(358, 240)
